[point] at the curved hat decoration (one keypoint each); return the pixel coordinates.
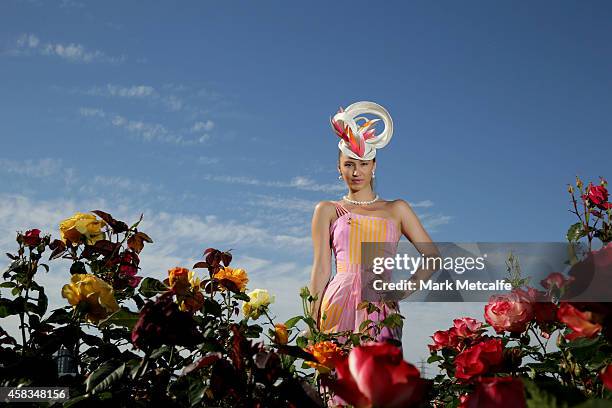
(360, 141)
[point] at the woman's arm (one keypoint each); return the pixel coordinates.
(416, 234)
(321, 265)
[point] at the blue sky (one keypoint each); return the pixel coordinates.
(212, 119)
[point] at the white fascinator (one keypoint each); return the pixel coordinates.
(358, 138)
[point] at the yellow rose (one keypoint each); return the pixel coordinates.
(260, 299)
(96, 293)
(237, 276)
(81, 226)
(281, 335)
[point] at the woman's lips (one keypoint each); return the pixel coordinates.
(357, 181)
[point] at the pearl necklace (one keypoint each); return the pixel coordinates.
(345, 198)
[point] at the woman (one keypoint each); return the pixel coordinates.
(361, 216)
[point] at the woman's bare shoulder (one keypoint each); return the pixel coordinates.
(399, 206)
(325, 208)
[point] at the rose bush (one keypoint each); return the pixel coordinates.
(181, 342)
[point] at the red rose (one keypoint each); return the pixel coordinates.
(581, 323)
(375, 374)
(597, 195)
(511, 312)
(478, 359)
(606, 376)
(496, 392)
(556, 279)
(545, 312)
(32, 238)
(445, 339)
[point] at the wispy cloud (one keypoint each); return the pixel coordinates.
(422, 204)
(208, 160)
(203, 126)
(299, 182)
(431, 222)
(32, 168)
(145, 92)
(122, 183)
(92, 112)
(146, 131)
(136, 91)
(282, 203)
(30, 44)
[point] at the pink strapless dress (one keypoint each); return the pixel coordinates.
(343, 293)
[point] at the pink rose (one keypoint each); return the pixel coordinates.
(467, 327)
(511, 312)
(556, 279)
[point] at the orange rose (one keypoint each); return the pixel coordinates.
(281, 335)
(236, 276)
(178, 276)
(327, 354)
(581, 323)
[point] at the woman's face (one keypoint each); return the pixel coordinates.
(357, 174)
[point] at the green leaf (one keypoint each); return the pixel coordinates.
(8, 285)
(575, 232)
(242, 296)
(43, 303)
(253, 331)
(293, 321)
(212, 307)
(595, 403)
(434, 357)
(123, 317)
(11, 307)
(91, 340)
(75, 402)
(104, 382)
(99, 375)
(159, 352)
(196, 390)
(538, 398)
(364, 324)
(582, 342)
(392, 321)
(150, 287)
(59, 316)
(301, 342)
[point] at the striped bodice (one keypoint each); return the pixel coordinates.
(350, 230)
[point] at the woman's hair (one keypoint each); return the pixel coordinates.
(372, 183)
